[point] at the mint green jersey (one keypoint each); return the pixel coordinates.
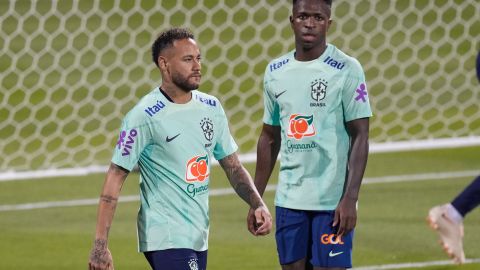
(173, 145)
(311, 102)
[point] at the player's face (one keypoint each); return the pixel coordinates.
(184, 65)
(310, 21)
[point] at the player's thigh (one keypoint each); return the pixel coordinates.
(177, 259)
(301, 264)
(292, 235)
(328, 250)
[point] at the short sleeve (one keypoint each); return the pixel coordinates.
(225, 144)
(134, 136)
(355, 99)
(271, 113)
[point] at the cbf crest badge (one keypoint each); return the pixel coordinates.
(192, 263)
(318, 89)
(207, 127)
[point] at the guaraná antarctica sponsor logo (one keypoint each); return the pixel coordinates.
(198, 170)
(318, 92)
(125, 143)
(300, 147)
(300, 126)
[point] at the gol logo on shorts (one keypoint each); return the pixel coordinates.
(300, 126)
(331, 239)
(197, 169)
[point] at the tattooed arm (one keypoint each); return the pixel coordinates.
(259, 221)
(100, 256)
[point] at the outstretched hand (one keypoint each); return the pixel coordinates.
(259, 221)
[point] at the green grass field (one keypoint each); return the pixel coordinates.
(70, 70)
(391, 227)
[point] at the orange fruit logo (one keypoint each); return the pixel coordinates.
(197, 169)
(300, 126)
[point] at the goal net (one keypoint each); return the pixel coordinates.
(70, 70)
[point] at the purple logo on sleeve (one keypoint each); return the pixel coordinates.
(362, 93)
(125, 142)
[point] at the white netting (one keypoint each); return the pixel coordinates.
(70, 70)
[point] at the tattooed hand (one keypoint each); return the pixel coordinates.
(100, 256)
(259, 221)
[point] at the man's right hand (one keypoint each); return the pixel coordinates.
(259, 221)
(100, 256)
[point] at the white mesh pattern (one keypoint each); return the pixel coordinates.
(70, 70)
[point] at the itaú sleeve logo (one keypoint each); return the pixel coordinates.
(197, 169)
(300, 126)
(331, 239)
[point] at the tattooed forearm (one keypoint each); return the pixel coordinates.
(108, 199)
(114, 168)
(241, 180)
(113, 184)
(247, 193)
(232, 166)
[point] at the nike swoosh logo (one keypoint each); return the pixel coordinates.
(332, 254)
(172, 138)
(279, 94)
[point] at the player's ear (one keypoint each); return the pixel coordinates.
(162, 63)
(291, 23)
(330, 22)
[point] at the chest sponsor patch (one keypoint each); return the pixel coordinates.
(198, 169)
(300, 126)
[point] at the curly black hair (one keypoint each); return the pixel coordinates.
(166, 39)
(328, 2)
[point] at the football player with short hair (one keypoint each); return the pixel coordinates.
(172, 134)
(317, 116)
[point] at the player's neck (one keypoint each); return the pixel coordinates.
(176, 95)
(303, 54)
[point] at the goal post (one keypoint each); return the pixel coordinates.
(70, 70)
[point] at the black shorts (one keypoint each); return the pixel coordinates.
(177, 259)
